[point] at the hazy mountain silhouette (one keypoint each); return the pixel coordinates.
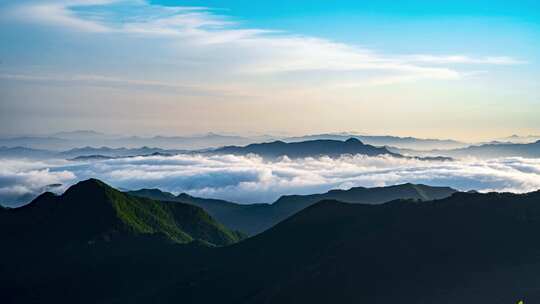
(531, 150)
(312, 148)
(23, 152)
(85, 153)
(36, 142)
(114, 152)
(253, 219)
(517, 139)
(386, 140)
(81, 138)
(83, 135)
(486, 151)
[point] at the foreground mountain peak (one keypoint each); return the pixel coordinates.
(92, 210)
(90, 183)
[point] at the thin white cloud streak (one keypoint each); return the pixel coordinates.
(254, 51)
(58, 13)
(107, 81)
(462, 59)
(251, 179)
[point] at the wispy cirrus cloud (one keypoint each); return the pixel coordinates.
(115, 82)
(463, 59)
(253, 51)
(56, 13)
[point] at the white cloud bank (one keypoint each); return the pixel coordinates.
(253, 180)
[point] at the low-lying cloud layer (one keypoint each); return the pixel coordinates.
(251, 179)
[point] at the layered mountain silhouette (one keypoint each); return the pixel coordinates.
(387, 140)
(467, 248)
(23, 152)
(85, 153)
(311, 148)
(486, 151)
(92, 211)
(253, 219)
(495, 150)
(80, 138)
(88, 152)
(74, 139)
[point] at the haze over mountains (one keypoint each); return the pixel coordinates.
(466, 248)
(483, 151)
(517, 139)
(496, 150)
(78, 139)
(87, 143)
(386, 140)
(271, 150)
(312, 148)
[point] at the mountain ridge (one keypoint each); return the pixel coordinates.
(311, 148)
(252, 219)
(467, 248)
(94, 211)
(486, 150)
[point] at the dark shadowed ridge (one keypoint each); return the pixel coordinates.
(312, 148)
(92, 211)
(253, 219)
(468, 248)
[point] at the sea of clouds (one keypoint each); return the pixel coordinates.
(251, 179)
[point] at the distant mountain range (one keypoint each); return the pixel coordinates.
(531, 150)
(116, 152)
(489, 150)
(69, 144)
(386, 140)
(85, 153)
(253, 219)
(23, 152)
(74, 139)
(314, 148)
(94, 244)
(517, 139)
(70, 140)
(272, 150)
(311, 148)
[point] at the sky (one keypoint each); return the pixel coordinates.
(467, 70)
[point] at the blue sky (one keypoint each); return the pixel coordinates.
(462, 69)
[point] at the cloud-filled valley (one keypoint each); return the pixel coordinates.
(250, 179)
